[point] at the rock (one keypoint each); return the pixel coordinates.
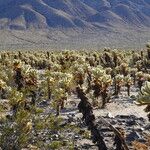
(105, 129)
(33, 147)
(69, 134)
(113, 122)
(43, 103)
(70, 118)
(142, 140)
(47, 141)
(141, 119)
(133, 97)
(55, 137)
(126, 116)
(82, 131)
(133, 136)
(73, 123)
(76, 147)
(131, 122)
(147, 127)
(139, 129)
(72, 114)
(110, 115)
(54, 132)
(86, 146)
(76, 137)
(65, 142)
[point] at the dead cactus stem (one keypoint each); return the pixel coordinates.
(86, 109)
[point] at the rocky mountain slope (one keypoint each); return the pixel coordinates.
(23, 14)
(74, 24)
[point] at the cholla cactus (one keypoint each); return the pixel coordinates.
(144, 97)
(139, 74)
(3, 87)
(66, 82)
(128, 82)
(118, 83)
(98, 72)
(79, 76)
(56, 67)
(148, 50)
(16, 100)
(119, 79)
(16, 63)
(147, 77)
(135, 58)
(124, 69)
(140, 79)
(139, 65)
(101, 83)
(31, 78)
(3, 84)
(133, 72)
(108, 71)
(59, 97)
(107, 56)
(106, 82)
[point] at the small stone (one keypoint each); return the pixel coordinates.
(147, 127)
(142, 140)
(139, 129)
(43, 103)
(113, 122)
(131, 122)
(110, 115)
(55, 137)
(86, 146)
(73, 123)
(133, 136)
(141, 119)
(76, 147)
(76, 137)
(47, 141)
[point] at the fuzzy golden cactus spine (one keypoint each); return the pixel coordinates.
(144, 97)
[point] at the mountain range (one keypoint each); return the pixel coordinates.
(67, 15)
(24, 14)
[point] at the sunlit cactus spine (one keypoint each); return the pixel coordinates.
(16, 100)
(144, 97)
